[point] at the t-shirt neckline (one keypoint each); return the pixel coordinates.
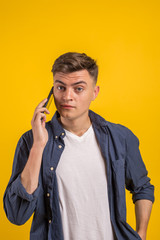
(74, 136)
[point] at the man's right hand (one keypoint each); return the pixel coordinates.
(40, 133)
(30, 173)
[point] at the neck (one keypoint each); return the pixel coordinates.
(77, 126)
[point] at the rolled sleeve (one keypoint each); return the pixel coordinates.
(137, 180)
(18, 189)
(18, 204)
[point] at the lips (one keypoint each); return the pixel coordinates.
(66, 106)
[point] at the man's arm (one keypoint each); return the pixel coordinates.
(22, 191)
(138, 183)
(142, 210)
(30, 174)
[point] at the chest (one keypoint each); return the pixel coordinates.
(81, 161)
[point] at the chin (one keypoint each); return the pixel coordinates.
(65, 115)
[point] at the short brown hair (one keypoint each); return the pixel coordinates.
(73, 61)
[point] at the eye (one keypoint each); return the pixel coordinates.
(61, 88)
(79, 89)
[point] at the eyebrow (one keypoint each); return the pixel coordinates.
(80, 82)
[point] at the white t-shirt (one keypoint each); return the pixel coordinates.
(82, 184)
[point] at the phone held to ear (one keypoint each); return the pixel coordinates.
(50, 98)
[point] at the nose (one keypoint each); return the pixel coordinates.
(68, 95)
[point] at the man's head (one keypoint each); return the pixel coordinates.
(73, 61)
(75, 77)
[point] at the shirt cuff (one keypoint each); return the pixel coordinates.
(19, 190)
(147, 196)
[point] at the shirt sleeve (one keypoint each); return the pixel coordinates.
(18, 204)
(137, 180)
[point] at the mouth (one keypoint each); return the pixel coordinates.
(66, 106)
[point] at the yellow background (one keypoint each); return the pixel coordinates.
(122, 35)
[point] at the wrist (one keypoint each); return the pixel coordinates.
(38, 146)
(142, 234)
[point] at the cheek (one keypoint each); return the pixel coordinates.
(89, 96)
(56, 100)
(85, 100)
(56, 96)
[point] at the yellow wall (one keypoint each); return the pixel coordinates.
(122, 35)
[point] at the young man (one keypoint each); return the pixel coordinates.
(71, 172)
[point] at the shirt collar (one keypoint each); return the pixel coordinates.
(58, 130)
(97, 119)
(56, 126)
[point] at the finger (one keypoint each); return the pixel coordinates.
(39, 116)
(38, 108)
(43, 109)
(42, 103)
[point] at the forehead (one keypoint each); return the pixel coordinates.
(81, 75)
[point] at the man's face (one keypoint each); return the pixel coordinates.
(73, 93)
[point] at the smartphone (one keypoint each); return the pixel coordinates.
(50, 98)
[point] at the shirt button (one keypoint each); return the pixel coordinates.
(48, 195)
(49, 221)
(51, 168)
(60, 146)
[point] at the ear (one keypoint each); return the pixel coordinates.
(95, 93)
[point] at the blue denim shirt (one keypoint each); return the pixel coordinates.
(125, 168)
